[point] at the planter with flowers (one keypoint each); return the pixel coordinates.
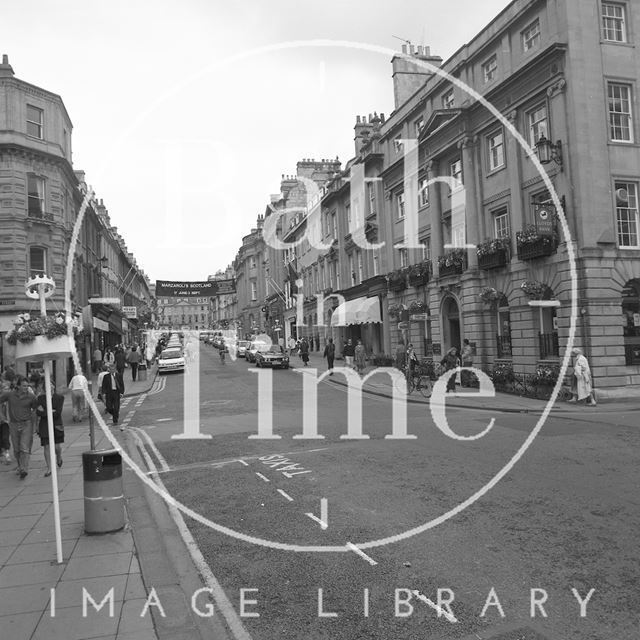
(493, 254)
(533, 245)
(452, 262)
(419, 274)
(417, 306)
(395, 310)
(535, 290)
(38, 338)
(490, 295)
(398, 280)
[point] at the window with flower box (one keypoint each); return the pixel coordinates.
(631, 321)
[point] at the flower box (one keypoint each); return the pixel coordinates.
(43, 348)
(493, 260)
(398, 280)
(450, 269)
(452, 262)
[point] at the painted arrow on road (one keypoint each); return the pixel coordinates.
(323, 520)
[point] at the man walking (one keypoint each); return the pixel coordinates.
(120, 359)
(97, 360)
(133, 358)
(21, 405)
(330, 354)
(112, 389)
(77, 386)
(348, 352)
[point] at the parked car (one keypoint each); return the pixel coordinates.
(171, 359)
(274, 357)
(253, 348)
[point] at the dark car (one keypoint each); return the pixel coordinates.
(273, 356)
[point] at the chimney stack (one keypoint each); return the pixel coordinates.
(6, 70)
(409, 75)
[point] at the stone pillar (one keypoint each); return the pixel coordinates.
(514, 164)
(466, 147)
(435, 209)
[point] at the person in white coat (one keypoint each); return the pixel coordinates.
(582, 387)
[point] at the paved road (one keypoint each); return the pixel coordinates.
(564, 517)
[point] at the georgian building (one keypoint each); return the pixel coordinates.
(563, 74)
(41, 198)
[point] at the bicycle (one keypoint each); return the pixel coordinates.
(419, 380)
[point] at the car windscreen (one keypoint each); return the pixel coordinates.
(273, 349)
(170, 353)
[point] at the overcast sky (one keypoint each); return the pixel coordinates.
(186, 114)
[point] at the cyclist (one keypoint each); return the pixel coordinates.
(223, 348)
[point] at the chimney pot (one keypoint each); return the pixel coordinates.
(419, 49)
(404, 48)
(411, 49)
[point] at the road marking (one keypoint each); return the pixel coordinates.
(164, 419)
(323, 520)
(441, 612)
(361, 553)
(263, 477)
(163, 463)
(285, 494)
(222, 602)
(246, 464)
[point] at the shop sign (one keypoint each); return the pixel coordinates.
(545, 217)
(130, 312)
(419, 317)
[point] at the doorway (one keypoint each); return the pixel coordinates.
(451, 330)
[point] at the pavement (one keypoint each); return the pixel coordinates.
(29, 572)
(381, 385)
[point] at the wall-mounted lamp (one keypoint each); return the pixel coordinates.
(547, 151)
(103, 262)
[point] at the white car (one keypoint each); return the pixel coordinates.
(171, 359)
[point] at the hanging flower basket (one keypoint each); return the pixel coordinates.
(38, 337)
(417, 306)
(395, 310)
(43, 348)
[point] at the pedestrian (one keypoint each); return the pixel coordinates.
(360, 355)
(292, 346)
(330, 354)
(304, 351)
(466, 377)
(412, 360)
(109, 357)
(401, 356)
(450, 362)
(57, 402)
(97, 360)
(582, 387)
(5, 437)
(101, 376)
(21, 404)
(78, 385)
(120, 358)
(348, 353)
(112, 390)
(133, 358)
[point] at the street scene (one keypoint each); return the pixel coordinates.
(359, 358)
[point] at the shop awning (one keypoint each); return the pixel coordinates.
(357, 311)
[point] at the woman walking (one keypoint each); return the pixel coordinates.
(360, 356)
(304, 351)
(57, 401)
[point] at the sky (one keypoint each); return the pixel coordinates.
(185, 115)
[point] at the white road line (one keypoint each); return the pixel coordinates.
(221, 600)
(163, 463)
(164, 419)
(246, 464)
(433, 605)
(361, 553)
(263, 477)
(322, 523)
(285, 494)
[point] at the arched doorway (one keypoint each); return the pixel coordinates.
(451, 324)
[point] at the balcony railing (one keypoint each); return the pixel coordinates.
(493, 260)
(549, 345)
(40, 215)
(503, 346)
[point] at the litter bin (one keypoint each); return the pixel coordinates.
(103, 494)
(142, 371)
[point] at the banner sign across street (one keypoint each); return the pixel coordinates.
(205, 289)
